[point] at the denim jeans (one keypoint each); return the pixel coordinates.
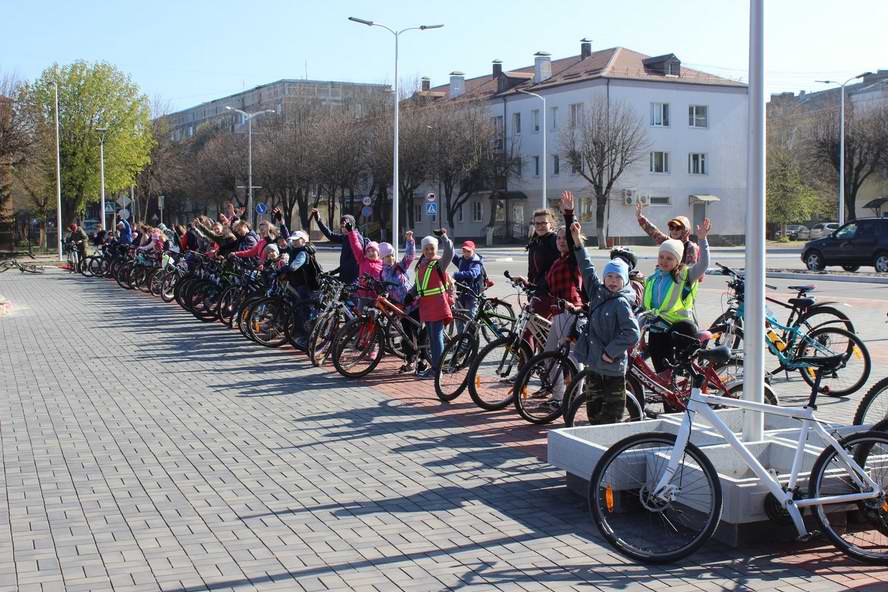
(436, 341)
(470, 305)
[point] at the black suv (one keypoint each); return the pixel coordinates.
(862, 242)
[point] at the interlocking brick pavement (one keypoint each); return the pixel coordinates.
(145, 450)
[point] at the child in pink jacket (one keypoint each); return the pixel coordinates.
(368, 259)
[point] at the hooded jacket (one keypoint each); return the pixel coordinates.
(126, 235)
(611, 328)
(542, 252)
(691, 249)
(469, 271)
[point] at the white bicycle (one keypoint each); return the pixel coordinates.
(657, 498)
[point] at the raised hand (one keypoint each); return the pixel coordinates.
(575, 229)
(408, 236)
(703, 229)
(567, 201)
(313, 214)
(639, 209)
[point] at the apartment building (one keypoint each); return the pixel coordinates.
(281, 96)
(695, 124)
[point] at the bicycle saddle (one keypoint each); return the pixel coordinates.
(825, 363)
(718, 355)
(802, 302)
(802, 288)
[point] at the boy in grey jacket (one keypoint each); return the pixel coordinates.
(605, 340)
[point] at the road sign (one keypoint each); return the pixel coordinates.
(155, 218)
(124, 201)
(109, 207)
(431, 208)
(261, 208)
(431, 198)
(367, 201)
(160, 201)
(366, 211)
(124, 214)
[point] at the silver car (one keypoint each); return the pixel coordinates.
(823, 229)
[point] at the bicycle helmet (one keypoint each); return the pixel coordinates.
(626, 255)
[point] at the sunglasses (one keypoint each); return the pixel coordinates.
(543, 223)
(674, 227)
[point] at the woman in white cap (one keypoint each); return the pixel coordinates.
(432, 289)
(302, 269)
(670, 292)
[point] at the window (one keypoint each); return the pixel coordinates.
(519, 162)
(535, 117)
(477, 211)
(556, 164)
(553, 115)
(660, 114)
(576, 168)
(516, 123)
(696, 163)
(698, 116)
(576, 114)
(536, 166)
(497, 123)
(417, 211)
(459, 213)
(659, 162)
(847, 232)
(660, 201)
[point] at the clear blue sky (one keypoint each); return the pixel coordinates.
(189, 51)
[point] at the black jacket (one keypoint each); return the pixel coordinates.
(348, 266)
(542, 252)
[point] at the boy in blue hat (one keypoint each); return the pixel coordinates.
(607, 336)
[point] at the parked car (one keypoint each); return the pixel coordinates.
(863, 242)
(795, 232)
(822, 229)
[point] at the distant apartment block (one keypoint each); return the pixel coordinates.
(283, 96)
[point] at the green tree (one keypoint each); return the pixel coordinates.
(790, 199)
(91, 96)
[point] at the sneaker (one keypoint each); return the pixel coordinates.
(425, 373)
(407, 368)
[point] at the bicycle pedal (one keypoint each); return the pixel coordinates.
(808, 536)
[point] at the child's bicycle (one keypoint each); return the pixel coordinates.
(657, 498)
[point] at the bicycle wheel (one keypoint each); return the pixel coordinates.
(643, 526)
(96, 267)
(227, 303)
(830, 341)
(123, 277)
(727, 329)
(501, 316)
(85, 267)
(576, 413)
(320, 341)
(300, 322)
(540, 386)
(168, 287)
(358, 347)
(32, 268)
(491, 378)
(859, 529)
(873, 408)
(267, 322)
(823, 316)
(452, 376)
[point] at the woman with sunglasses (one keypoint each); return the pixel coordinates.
(679, 229)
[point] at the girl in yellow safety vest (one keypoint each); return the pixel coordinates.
(670, 292)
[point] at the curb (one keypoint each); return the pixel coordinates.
(866, 279)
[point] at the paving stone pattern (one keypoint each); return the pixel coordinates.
(145, 450)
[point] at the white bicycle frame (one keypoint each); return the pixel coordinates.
(700, 403)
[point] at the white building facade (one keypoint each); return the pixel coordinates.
(694, 164)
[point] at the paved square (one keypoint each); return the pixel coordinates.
(145, 450)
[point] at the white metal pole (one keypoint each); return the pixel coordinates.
(842, 158)
(754, 327)
(250, 169)
(395, 183)
(58, 175)
(102, 177)
(545, 154)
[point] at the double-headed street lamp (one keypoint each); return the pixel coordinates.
(102, 131)
(545, 131)
(249, 117)
(395, 192)
(842, 141)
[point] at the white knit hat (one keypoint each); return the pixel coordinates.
(674, 247)
(430, 240)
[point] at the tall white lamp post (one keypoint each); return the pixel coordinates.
(58, 174)
(842, 140)
(249, 117)
(395, 191)
(102, 131)
(545, 133)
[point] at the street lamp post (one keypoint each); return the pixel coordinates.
(395, 191)
(842, 142)
(545, 132)
(58, 174)
(102, 131)
(249, 117)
